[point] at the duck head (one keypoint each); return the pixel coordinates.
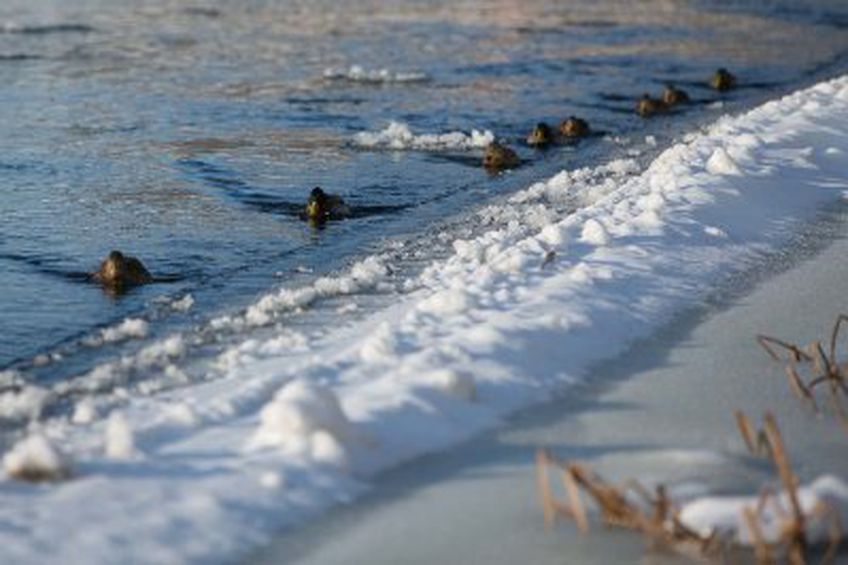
(498, 157)
(113, 271)
(574, 127)
(316, 206)
(673, 96)
(541, 135)
(723, 80)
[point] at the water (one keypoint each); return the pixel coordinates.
(189, 134)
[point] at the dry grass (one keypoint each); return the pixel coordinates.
(631, 506)
(792, 545)
(656, 516)
(820, 367)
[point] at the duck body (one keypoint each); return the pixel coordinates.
(322, 206)
(499, 157)
(574, 127)
(722, 80)
(648, 106)
(674, 96)
(120, 272)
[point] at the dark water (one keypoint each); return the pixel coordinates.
(190, 133)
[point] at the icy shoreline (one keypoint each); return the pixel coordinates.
(513, 316)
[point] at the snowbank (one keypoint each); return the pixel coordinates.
(399, 136)
(480, 334)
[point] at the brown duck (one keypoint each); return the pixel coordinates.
(119, 272)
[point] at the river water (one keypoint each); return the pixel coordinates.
(190, 134)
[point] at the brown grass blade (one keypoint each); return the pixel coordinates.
(834, 336)
(835, 535)
(578, 511)
(821, 364)
(780, 457)
(762, 550)
(798, 387)
(747, 431)
(768, 343)
(545, 495)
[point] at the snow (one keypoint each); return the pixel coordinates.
(290, 426)
(23, 404)
(305, 419)
(726, 514)
(36, 459)
(118, 437)
(357, 73)
(399, 136)
(130, 328)
(84, 412)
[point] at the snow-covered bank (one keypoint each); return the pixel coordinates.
(661, 413)
(512, 316)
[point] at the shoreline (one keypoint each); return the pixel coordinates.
(661, 412)
(291, 430)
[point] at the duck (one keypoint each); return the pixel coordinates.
(574, 127)
(119, 272)
(322, 206)
(541, 136)
(722, 80)
(499, 157)
(674, 96)
(648, 106)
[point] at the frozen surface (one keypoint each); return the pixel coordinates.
(660, 412)
(205, 472)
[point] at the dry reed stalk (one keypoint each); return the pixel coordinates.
(824, 368)
(657, 519)
(754, 439)
(793, 542)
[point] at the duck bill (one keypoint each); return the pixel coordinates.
(313, 210)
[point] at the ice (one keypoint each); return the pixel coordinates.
(357, 73)
(399, 136)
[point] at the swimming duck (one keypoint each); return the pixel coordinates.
(648, 106)
(322, 206)
(673, 96)
(541, 136)
(119, 272)
(722, 80)
(499, 157)
(574, 127)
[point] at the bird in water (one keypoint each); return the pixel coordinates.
(574, 127)
(722, 80)
(322, 206)
(499, 157)
(119, 272)
(648, 106)
(674, 96)
(541, 136)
